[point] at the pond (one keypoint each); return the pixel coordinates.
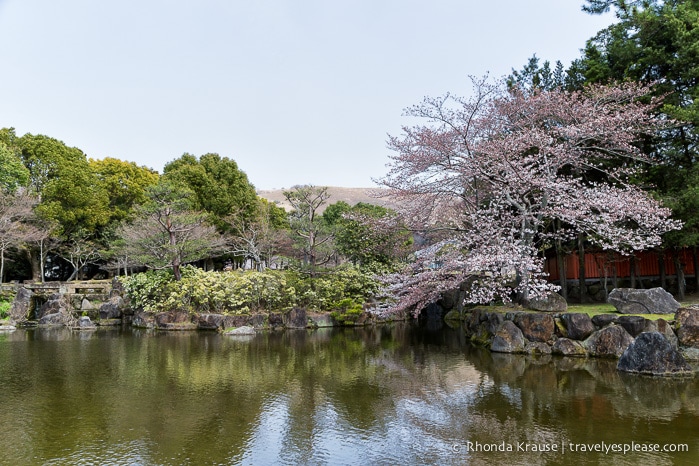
(397, 394)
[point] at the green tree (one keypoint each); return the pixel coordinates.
(367, 234)
(13, 173)
(655, 42)
(125, 183)
(70, 191)
(219, 186)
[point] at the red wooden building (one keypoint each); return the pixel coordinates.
(599, 265)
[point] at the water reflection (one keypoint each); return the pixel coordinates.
(386, 395)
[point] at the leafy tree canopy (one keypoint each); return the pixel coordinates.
(125, 183)
(219, 186)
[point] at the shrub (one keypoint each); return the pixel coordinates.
(5, 309)
(241, 292)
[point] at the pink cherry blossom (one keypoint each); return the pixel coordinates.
(492, 172)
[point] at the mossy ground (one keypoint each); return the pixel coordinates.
(593, 309)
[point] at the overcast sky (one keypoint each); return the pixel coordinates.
(296, 91)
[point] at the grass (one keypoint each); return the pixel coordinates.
(593, 309)
(605, 308)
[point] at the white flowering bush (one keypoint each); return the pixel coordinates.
(242, 292)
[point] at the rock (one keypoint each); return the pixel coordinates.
(610, 342)
(275, 320)
(453, 315)
(21, 306)
(57, 303)
(295, 318)
(258, 321)
(210, 321)
(687, 316)
(552, 302)
(112, 308)
(85, 322)
(7, 328)
(652, 301)
(664, 327)
(535, 327)
(86, 305)
(690, 354)
(568, 347)
(143, 319)
(633, 324)
(508, 339)
(56, 318)
(537, 347)
(688, 335)
(246, 330)
(449, 300)
(164, 319)
(602, 320)
(482, 325)
(320, 320)
(578, 325)
(236, 321)
(650, 353)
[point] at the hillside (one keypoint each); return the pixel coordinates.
(349, 195)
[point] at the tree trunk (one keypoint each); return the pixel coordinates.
(679, 270)
(632, 269)
(36, 264)
(661, 270)
(695, 263)
(581, 269)
(562, 272)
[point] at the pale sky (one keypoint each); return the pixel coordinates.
(295, 91)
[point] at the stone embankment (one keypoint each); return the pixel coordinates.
(647, 346)
(89, 305)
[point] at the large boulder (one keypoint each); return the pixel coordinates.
(210, 321)
(295, 318)
(632, 324)
(687, 322)
(320, 319)
(687, 316)
(21, 306)
(112, 308)
(56, 303)
(552, 302)
(602, 320)
(175, 320)
(610, 342)
(537, 348)
(578, 325)
(84, 322)
(651, 353)
(142, 319)
(688, 336)
(664, 327)
(508, 339)
(245, 330)
(535, 326)
(652, 301)
(568, 347)
(54, 319)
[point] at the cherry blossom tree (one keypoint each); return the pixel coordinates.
(494, 172)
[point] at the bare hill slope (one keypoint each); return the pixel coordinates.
(349, 195)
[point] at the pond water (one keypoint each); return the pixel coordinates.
(397, 394)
